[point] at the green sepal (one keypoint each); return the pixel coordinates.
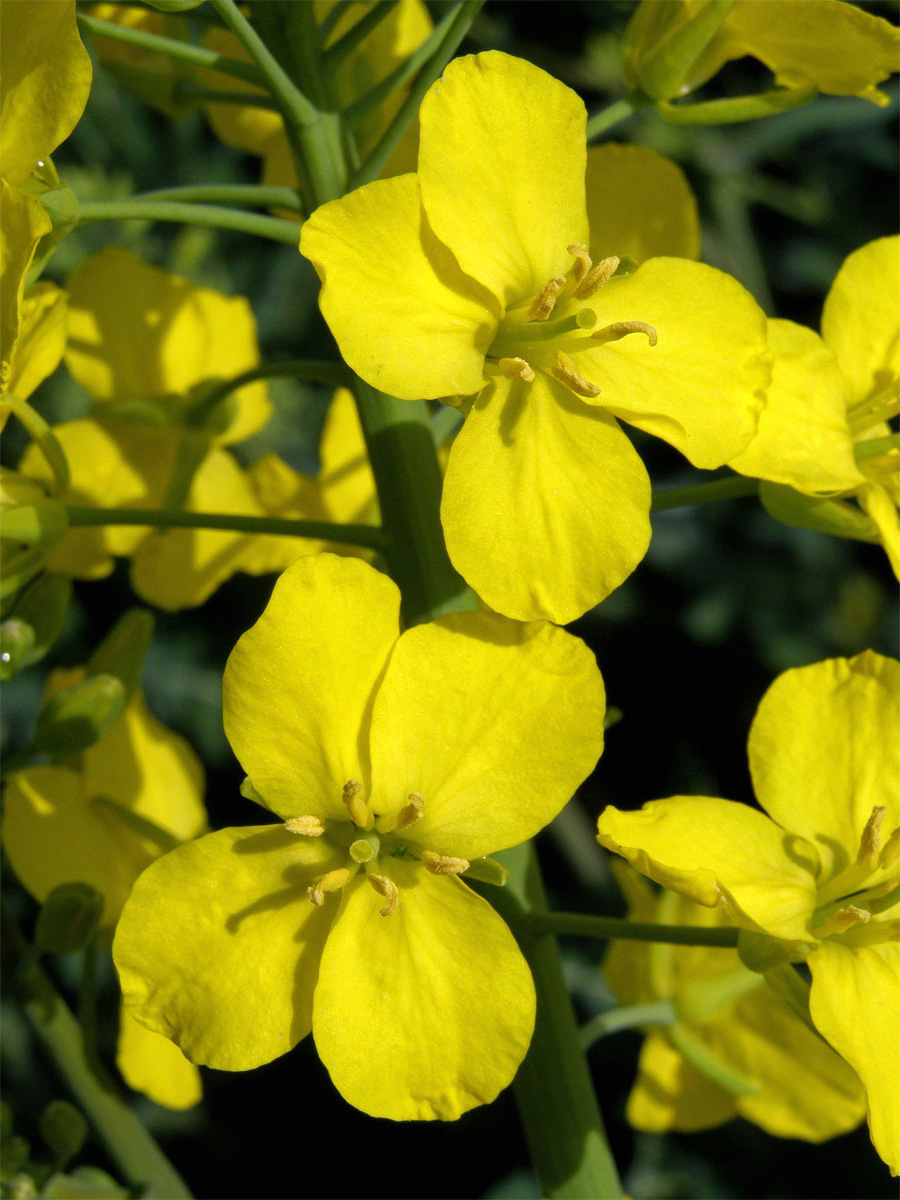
(64, 1129)
(760, 953)
(123, 650)
(61, 205)
(15, 1151)
(793, 989)
(737, 108)
(825, 515)
(42, 524)
(16, 644)
(69, 918)
(612, 717)
(42, 607)
(79, 716)
(662, 43)
(487, 870)
(84, 1183)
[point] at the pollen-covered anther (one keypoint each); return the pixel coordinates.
(332, 882)
(890, 852)
(595, 279)
(620, 329)
(516, 368)
(846, 918)
(356, 806)
(410, 813)
(870, 842)
(305, 826)
(444, 864)
(579, 268)
(387, 888)
(542, 307)
(566, 372)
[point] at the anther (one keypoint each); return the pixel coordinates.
(567, 373)
(305, 826)
(443, 864)
(844, 919)
(870, 842)
(580, 267)
(516, 368)
(594, 280)
(332, 882)
(620, 329)
(410, 813)
(543, 305)
(891, 850)
(387, 888)
(358, 809)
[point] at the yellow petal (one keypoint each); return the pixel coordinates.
(669, 1094)
(39, 347)
(137, 331)
(537, 477)
(298, 684)
(701, 387)
(639, 205)
(155, 1066)
(824, 752)
(219, 946)
(493, 723)
(405, 317)
(881, 506)
(396, 997)
(501, 167)
(860, 322)
(346, 480)
(853, 1003)
(24, 224)
(718, 852)
(46, 77)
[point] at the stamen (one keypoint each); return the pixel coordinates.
(580, 267)
(443, 864)
(891, 850)
(387, 888)
(332, 882)
(411, 813)
(567, 373)
(870, 842)
(516, 368)
(305, 826)
(594, 280)
(844, 919)
(543, 306)
(358, 809)
(620, 329)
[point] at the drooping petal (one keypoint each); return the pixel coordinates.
(853, 1003)
(425, 1013)
(405, 317)
(24, 224)
(881, 506)
(501, 167)
(346, 480)
(860, 322)
(701, 387)
(670, 1094)
(546, 504)
(298, 685)
(719, 852)
(804, 440)
(218, 948)
(38, 349)
(824, 752)
(492, 722)
(152, 1064)
(46, 77)
(639, 205)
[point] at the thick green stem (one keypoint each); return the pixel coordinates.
(369, 536)
(587, 925)
(704, 493)
(139, 209)
(247, 195)
(553, 1088)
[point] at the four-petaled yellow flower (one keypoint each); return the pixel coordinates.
(477, 278)
(822, 870)
(395, 763)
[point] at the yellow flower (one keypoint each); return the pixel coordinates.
(821, 870)
(824, 431)
(735, 1049)
(82, 822)
(674, 46)
(394, 763)
(475, 278)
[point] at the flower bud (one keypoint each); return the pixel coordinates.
(78, 717)
(69, 918)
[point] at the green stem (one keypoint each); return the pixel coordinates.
(196, 56)
(205, 95)
(553, 1088)
(136, 208)
(347, 42)
(704, 493)
(631, 1016)
(335, 374)
(465, 13)
(619, 110)
(42, 433)
(129, 1144)
(369, 536)
(586, 925)
(331, 18)
(248, 195)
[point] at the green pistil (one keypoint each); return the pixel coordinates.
(364, 849)
(511, 339)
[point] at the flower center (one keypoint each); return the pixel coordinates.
(528, 341)
(370, 842)
(867, 887)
